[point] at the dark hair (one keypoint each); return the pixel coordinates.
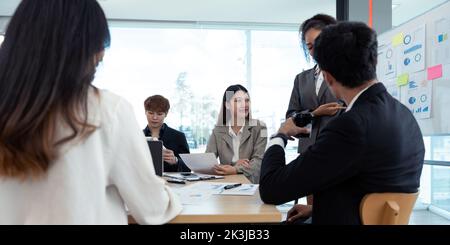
(348, 51)
(318, 22)
(47, 64)
(233, 89)
(157, 103)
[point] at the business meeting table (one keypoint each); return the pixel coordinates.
(226, 208)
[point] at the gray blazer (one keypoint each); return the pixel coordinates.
(304, 98)
(252, 147)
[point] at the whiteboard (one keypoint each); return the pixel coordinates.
(414, 65)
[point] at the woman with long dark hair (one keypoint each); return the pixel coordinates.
(238, 140)
(69, 153)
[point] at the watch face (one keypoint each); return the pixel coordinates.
(302, 119)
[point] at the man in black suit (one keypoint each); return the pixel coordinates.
(156, 109)
(375, 146)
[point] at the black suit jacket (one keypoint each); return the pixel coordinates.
(375, 147)
(173, 140)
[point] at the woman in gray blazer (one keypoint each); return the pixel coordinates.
(311, 95)
(238, 140)
(310, 92)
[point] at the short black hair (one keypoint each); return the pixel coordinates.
(318, 22)
(348, 51)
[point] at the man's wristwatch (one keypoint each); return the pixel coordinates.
(284, 137)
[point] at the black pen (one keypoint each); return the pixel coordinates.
(176, 181)
(227, 187)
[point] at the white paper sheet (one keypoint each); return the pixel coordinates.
(411, 56)
(419, 96)
(440, 49)
(387, 67)
(200, 162)
(189, 196)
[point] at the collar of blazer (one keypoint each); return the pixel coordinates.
(223, 131)
(369, 93)
(322, 90)
(315, 72)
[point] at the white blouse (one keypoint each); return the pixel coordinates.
(236, 142)
(93, 180)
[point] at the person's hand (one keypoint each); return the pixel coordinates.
(244, 163)
(299, 211)
(225, 169)
(290, 129)
(169, 156)
(328, 109)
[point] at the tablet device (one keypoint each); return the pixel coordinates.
(156, 148)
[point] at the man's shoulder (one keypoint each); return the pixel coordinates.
(173, 132)
(353, 120)
(146, 131)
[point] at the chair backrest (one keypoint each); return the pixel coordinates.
(387, 208)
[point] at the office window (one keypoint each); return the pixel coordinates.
(277, 58)
(437, 178)
(437, 148)
(193, 67)
(440, 187)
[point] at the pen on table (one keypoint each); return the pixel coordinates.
(227, 187)
(176, 181)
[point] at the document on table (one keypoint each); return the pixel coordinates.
(192, 196)
(215, 188)
(243, 190)
(192, 176)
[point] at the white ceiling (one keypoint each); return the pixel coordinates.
(257, 11)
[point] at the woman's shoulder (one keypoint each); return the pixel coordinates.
(110, 99)
(115, 102)
(258, 124)
(220, 129)
(107, 106)
(306, 72)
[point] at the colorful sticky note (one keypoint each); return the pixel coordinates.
(434, 72)
(442, 37)
(397, 39)
(403, 79)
